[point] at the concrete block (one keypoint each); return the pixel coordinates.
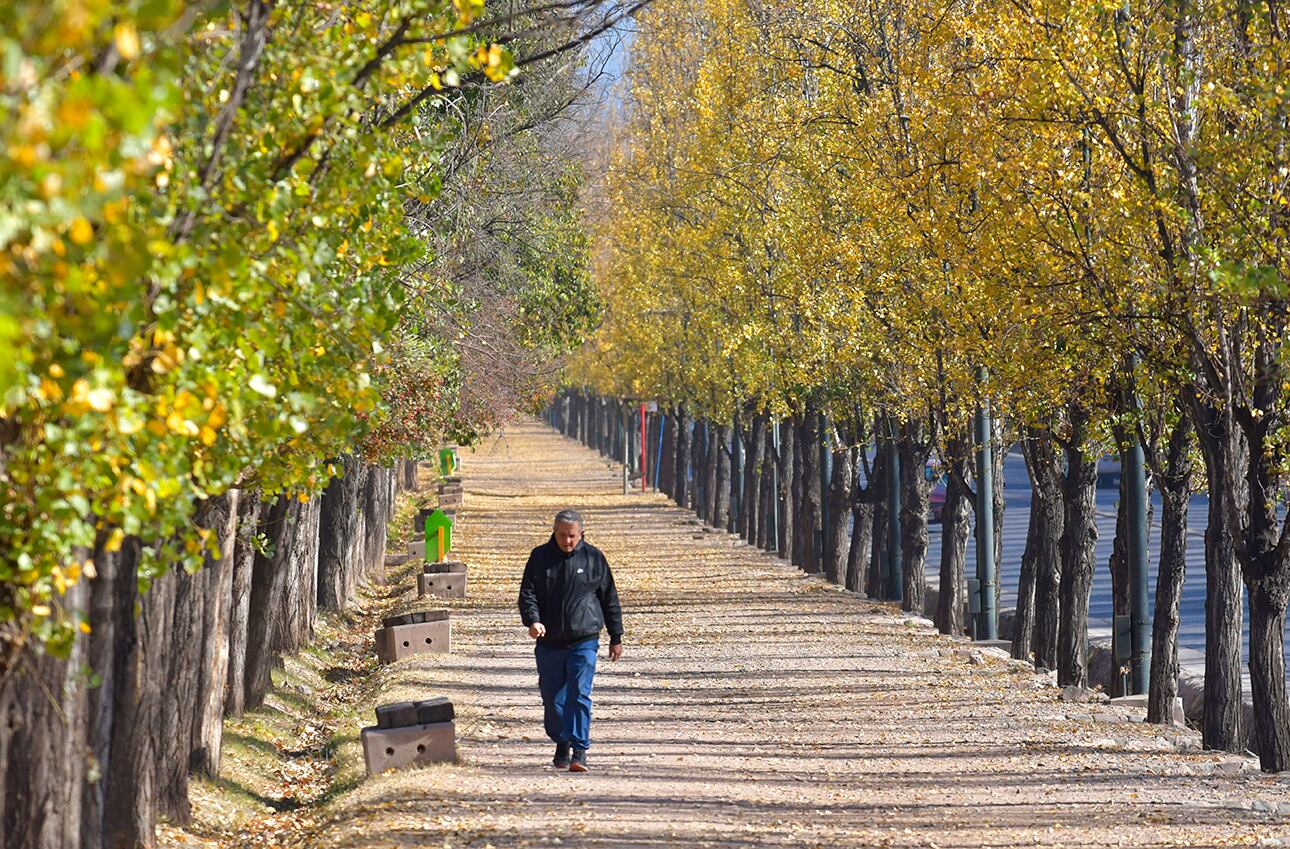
(1139, 701)
(396, 715)
(1005, 645)
(420, 712)
(415, 617)
(437, 709)
(417, 549)
(412, 745)
(400, 641)
(419, 520)
(1074, 693)
(452, 499)
(442, 585)
(444, 566)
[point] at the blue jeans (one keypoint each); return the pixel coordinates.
(564, 677)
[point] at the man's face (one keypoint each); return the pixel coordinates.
(567, 535)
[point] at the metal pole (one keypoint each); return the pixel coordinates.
(658, 455)
(644, 454)
(1134, 465)
(774, 487)
(896, 570)
(626, 454)
(826, 472)
(988, 619)
(736, 475)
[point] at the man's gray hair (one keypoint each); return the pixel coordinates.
(571, 517)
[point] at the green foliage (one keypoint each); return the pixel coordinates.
(202, 239)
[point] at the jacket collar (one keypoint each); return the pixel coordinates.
(560, 552)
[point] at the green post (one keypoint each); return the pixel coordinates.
(774, 488)
(1133, 463)
(438, 535)
(896, 567)
(826, 472)
(987, 624)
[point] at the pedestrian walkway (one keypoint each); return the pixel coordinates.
(756, 706)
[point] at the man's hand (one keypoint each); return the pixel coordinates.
(616, 651)
(537, 629)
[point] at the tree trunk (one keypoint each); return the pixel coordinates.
(737, 461)
(1023, 622)
(268, 582)
(699, 467)
(861, 526)
(340, 535)
(667, 458)
(955, 525)
(580, 429)
(721, 482)
(1268, 600)
(1038, 593)
(836, 535)
(1043, 464)
(785, 508)
(684, 438)
(1221, 722)
(753, 460)
(43, 720)
(809, 516)
(1079, 538)
(761, 533)
(1173, 481)
(766, 506)
(126, 817)
(131, 802)
(598, 424)
(180, 606)
(219, 514)
(248, 526)
(790, 441)
(1264, 549)
(301, 591)
(113, 584)
(712, 458)
(915, 490)
(878, 496)
(377, 510)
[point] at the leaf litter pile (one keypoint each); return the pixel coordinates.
(754, 706)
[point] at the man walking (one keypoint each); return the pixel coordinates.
(567, 596)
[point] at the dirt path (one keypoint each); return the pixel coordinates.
(759, 707)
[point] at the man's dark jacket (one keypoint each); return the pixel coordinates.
(572, 594)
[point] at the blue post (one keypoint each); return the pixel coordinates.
(658, 455)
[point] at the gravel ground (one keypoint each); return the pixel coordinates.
(757, 706)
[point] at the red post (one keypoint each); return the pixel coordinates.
(644, 439)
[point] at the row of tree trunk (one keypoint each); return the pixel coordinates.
(814, 492)
(97, 747)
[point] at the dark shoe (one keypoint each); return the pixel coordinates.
(579, 762)
(561, 760)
